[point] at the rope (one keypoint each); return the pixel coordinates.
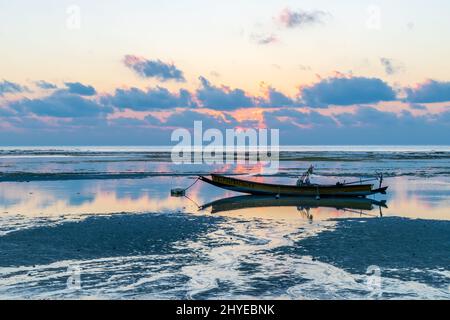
(196, 180)
(198, 207)
(179, 192)
(360, 212)
(360, 181)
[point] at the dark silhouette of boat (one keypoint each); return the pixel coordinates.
(247, 202)
(310, 190)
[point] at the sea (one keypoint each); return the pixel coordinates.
(100, 223)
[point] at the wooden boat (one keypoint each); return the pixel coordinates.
(247, 202)
(309, 190)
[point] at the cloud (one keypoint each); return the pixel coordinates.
(153, 68)
(65, 116)
(429, 92)
(80, 89)
(222, 98)
(186, 119)
(381, 127)
(45, 85)
(294, 120)
(367, 116)
(264, 39)
(5, 111)
(304, 68)
(153, 98)
(403, 123)
(347, 91)
(389, 66)
(275, 98)
(208, 96)
(10, 87)
(378, 127)
(417, 106)
(215, 74)
(82, 120)
(60, 104)
(300, 18)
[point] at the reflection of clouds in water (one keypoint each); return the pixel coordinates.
(406, 197)
(47, 204)
(28, 204)
(419, 198)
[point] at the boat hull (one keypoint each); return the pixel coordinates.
(258, 188)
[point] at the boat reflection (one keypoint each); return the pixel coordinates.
(303, 204)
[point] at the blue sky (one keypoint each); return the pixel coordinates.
(130, 72)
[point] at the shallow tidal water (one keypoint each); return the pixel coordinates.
(105, 218)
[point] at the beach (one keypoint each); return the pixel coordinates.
(104, 217)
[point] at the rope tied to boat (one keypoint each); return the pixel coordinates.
(181, 192)
(196, 180)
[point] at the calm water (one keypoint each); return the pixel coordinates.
(107, 212)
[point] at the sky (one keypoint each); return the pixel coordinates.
(114, 72)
